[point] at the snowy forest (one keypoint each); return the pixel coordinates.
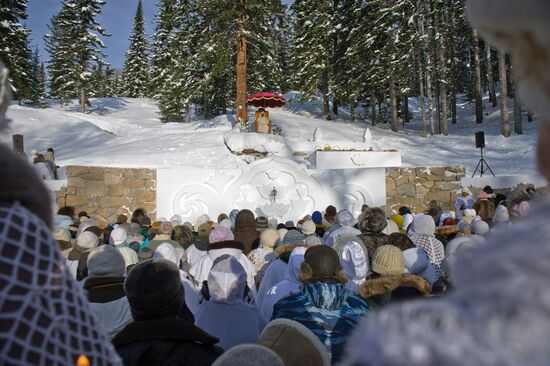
(369, 57)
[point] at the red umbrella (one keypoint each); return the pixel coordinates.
(266, 100)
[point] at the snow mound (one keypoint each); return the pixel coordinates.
(238, 142)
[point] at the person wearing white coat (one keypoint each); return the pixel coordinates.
(222, 242)
(346, 221)
(290, 285)
(226, 315)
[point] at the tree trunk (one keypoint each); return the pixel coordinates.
(406, 116)
(353, 107)
(443, 87)
(373, 107)
(518, 124)
(505, 118)
(529, 116)
(421, 96)
(490, 77)
(477, 85)
(242, 115)
(335, 106)
(393, 96)
(82, 100)
(326, 106)
(438, 106)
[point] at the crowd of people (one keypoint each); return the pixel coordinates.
(195, 290)
(467, 286)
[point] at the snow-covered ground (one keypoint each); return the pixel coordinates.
(127, 133)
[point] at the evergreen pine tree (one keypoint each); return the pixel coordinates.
(14, 46)
(136, 63)
(74, 47)
(37, 94)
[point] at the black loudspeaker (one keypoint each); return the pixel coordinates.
(480, 139)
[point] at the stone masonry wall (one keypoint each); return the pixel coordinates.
(105, 193)
(415, 187)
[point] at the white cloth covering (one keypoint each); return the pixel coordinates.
(356, 265)
(226, 315)
(168, 252)
(288, 286)
(200, 270)
(275, 273)
(342, 230)
(418, 263)
(194, 255)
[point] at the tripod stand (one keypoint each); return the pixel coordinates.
(481, 166)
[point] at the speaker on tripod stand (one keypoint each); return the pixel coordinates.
(482, 165)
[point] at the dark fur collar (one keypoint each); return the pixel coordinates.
(231, 244)
(385, 284)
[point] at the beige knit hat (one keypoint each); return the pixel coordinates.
(308, 227)
(269, 238)
(388, 260)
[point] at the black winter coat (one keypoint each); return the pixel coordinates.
(170, 341)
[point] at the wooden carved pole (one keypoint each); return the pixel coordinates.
(241, 63)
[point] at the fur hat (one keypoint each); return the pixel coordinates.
(308, 227)
(106, 261)
(61, 234)
(322, 264)
(87, 240)
(388, 260)
(480, 227)
(219, 234)
(147, 299)
(121, 219)
(183, 235)
(292, 237)
(294, 343)
(261, 223)
(248, 355)
(373, 220)
(317, 217)
(423, 225)
(269, 238)
(118, 236)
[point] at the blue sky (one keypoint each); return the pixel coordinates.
(117, 19)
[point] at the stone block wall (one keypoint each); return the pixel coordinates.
(415, 187)
(105, 193)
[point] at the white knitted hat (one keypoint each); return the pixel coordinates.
(308, 227)
(118, 236)
(106, 261)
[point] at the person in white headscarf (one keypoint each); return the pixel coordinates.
(354, 259)
(168, 252)
(264, 254)
(416, 262)
(497, 313)
(226, 314)
(290, 285)
(422, 234)
(222, 242)
(346, 221)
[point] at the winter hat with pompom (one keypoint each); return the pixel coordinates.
(269, 238)
(308, 227)
(219, 234)
(388, 260)
(106, 261)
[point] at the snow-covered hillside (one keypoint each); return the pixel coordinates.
(127, 133)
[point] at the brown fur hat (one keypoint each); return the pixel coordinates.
(321, 264)
(372, 220)
(384, 284)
